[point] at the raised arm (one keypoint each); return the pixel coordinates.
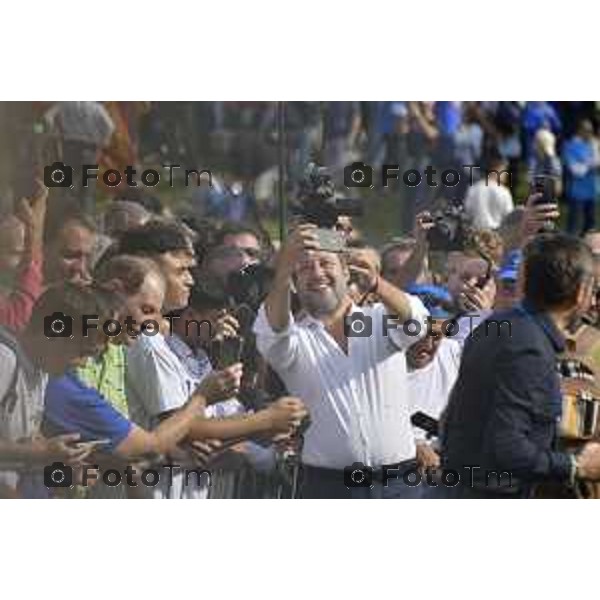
(277, 303)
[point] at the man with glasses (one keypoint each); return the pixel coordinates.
(235, 248)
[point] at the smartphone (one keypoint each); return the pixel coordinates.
(91, 444)
(331, 240)
(484, 279)
(228, 351)
(546, 186)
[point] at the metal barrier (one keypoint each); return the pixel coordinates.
(244, 482)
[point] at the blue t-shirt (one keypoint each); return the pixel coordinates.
(73, 407)
(580, 186)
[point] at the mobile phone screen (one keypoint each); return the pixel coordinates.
(331, 240)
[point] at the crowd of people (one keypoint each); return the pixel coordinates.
(136, 336)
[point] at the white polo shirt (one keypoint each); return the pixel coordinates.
(157, 382)
(429, 388)
(357, 401)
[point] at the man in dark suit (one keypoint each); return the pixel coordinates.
(500, 428)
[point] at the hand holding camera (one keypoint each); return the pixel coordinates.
(423, 223)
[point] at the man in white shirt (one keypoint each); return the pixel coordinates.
(433, 365)
(352, 383)
(490, 200)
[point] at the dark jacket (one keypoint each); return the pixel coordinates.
(504, 410)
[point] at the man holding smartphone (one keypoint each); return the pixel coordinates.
(354, 386)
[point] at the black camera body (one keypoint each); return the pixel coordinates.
(451, 230)
(317, 200)
(249, 286)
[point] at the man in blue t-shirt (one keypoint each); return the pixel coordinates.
(54, 343)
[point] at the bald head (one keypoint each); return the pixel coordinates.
(69, 252)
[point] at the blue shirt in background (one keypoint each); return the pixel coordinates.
(578, 157)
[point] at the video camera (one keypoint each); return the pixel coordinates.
(249, 286)
(318, 204)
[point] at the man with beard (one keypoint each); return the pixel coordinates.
(350, 378)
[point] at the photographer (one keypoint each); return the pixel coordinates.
(353, 386)
(234, 248)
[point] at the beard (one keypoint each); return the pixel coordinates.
(322, 302)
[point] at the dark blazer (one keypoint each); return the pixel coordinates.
(504, 409)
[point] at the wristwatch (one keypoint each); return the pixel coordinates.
(574, 468)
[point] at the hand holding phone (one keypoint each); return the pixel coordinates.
(227, 351)
(545, 185)
(91, 445)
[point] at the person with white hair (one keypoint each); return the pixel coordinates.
(545, 160)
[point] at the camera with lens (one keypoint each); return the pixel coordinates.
(318, 204)
(58, 325)
(452, 229)
(250, 285)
